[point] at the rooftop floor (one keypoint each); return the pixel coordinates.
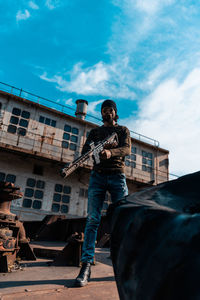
(39, 280)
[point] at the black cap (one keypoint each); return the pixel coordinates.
(109, 103)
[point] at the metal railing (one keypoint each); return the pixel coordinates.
(39, 146)
(66, 109)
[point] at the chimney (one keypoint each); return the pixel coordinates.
(81, 108)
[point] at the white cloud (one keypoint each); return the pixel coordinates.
(153, 6)
(22, 15)
(92, 108)
(149, 7)
(69, 102)
(89, 79)
(52, 4)
(157, 74)
(33, 5)
(171, 114)
(140, 17)
(100, 79)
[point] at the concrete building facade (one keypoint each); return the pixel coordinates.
(35, 143)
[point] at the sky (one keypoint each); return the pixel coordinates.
(143, 54)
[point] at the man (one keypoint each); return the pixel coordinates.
(108, 175)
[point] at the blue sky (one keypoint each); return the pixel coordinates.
(143, 54)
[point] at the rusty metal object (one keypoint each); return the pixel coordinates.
(7, 239)
(50, 227)
(71, 253)
(9, 233)
(12, 232)
(25, 251)
(8, 192)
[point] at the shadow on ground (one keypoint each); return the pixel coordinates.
(64, 282)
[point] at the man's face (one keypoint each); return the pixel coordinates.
(108, 114)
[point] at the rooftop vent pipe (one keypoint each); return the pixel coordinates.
(81, 108)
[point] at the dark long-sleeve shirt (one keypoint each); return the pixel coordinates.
(117, 161)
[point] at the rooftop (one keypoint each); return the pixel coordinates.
(53, 105)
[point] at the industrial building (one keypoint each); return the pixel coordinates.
(38, 136)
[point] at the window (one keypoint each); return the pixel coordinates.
(31, 182)
(53, 123)
(16, 111)
(40, 184)
(66, 136)
(38, 194)
(65, 144)
(72, 146)
(66, 189)
(25, 114)
(11, 178)
(58, 188)
(19, 121)
(147, 161)
(41, 119)
(2, 176)
(70, 137)
(14, 120)
(8, 177)
(12, 129)
(38, 170)
(29, 192)
(131, 159)
(75, 130)
(21, 131)
(37, 204)
(27, 203)
(164, 162)
(65, 198)
(23, 123)
(67, 128)
(47, 121)
(61, 198)
(74, 138)
(34, 193)
(83, 193)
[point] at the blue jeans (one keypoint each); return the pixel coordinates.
(115, 184)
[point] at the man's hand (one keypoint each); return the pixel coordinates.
(105, 154)
(111, 145)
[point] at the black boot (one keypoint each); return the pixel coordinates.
(84, 275)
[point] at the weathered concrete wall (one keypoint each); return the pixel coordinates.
(22, 167)
(45, 140)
